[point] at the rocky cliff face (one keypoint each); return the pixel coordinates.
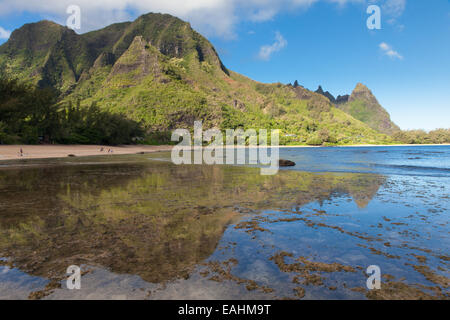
(361, 92)
(55, 56)
(342, 99)
(326, 94)
(333, 100)
(364, 106)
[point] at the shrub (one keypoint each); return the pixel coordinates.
(314, 141)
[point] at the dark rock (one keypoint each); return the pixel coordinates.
(71, 155)
(286, 163)
(342, 99)
(326, 94)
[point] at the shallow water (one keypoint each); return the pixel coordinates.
(431, 161)
(142, 228)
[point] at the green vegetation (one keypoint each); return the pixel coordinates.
(438, 136)
(147, 77)
(26, 113)
(30, 115)
(363, 105)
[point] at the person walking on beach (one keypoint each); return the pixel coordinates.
(20, 152)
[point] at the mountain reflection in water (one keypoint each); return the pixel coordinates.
(151, 219)
(157, 221)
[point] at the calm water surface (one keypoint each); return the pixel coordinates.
(142, 228)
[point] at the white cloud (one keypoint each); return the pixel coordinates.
(387, 50)
(210, 17)
(391, 10)
(216, 15)
(384, 46)
(394, 8)
(4, 34)
(265, 53)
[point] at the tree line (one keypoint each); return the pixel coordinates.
(33, 115)
(438, 136)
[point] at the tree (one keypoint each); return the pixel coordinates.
(32, 115)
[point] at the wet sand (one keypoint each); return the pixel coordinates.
(12, 152)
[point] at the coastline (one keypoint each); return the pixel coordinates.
(12, 152)
(371, 145)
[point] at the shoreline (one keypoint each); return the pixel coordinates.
(371, 145)
(12, 152)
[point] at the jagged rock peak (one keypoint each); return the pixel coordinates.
(362, 92)
(361, 88)
(326, 94)
(342, 99)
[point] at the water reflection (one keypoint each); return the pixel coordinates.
(151, 219)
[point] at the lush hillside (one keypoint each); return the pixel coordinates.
(31, 115)
(364, 106)
(159, 72)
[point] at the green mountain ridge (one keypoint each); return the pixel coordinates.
(160, 72)
(364, 106)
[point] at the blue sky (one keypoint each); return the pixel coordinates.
(406, 64)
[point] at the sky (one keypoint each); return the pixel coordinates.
(406, 63)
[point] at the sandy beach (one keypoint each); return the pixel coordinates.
(12, 152)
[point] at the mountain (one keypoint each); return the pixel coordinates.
(53, 55)
(364, 106)
(326, 94)
(160, 72)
